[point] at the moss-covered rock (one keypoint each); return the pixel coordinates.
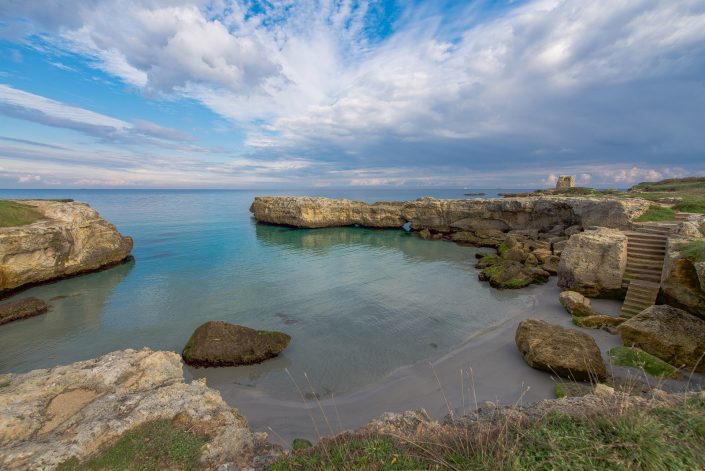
(300, 444)
(634, 357)
(487, 261)
(217, 343)
(510, 274)
(21, 309)
(597, 321)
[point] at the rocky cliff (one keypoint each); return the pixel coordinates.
(50, 416)
(542, 214)
(71, 238)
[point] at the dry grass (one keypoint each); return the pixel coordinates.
(14, 214)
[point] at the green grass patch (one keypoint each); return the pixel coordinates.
(691, 205)
(634, 357)
(694, 251)
(660, 438)
(657, 213)
(156, 445)
(14, 214)
(502, 250)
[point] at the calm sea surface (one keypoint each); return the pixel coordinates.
(358, 303)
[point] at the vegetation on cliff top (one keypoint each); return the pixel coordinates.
(17, 214)
(659, 438)
(156, 445)
(694, 251)
(690, 191)
(657, 213)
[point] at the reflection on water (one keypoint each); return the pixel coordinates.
(358, 303)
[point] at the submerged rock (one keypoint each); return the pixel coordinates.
(593, 263)
(576, 304)
(50, 416)
(636, 358)
(21, 309)
(217, 343)
(71, 238)
(565, 352)
(669, 333)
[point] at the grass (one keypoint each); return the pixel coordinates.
(634, 357)
(156, 445)
(659, 438)
(694, 251)
(657, 213)
(691, 191)
(17, 214)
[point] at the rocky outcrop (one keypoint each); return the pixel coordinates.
(50, 416)
(668, 333)
(70, 239)
(593, 263)
(542, 214)
(217, 343)
(576, 304)
(21, 309)
(559, 350)
(682, 280)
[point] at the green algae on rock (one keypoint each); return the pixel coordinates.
(634, 357)
(218, 343)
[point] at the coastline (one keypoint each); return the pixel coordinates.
(500, 374)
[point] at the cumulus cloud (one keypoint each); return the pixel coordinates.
(606, 90)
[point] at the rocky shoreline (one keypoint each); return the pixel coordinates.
(69, 239)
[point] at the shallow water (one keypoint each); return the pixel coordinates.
(358, 303)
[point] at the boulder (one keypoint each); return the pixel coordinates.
(668, 333)
(550, 264)
(576, 304)
(50, 416)
(70, 239)
(217, 343)
(593, 263)
(21, 309)
(682, 280)
(565, 352)
(425, 234)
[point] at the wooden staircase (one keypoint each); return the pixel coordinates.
(646, 250)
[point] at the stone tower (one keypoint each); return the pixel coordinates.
(565, 181)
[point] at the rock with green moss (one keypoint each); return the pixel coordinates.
(597, 321)
(634, 357)
(218, 343)
(510, 274)
(21, 309)
(487, 261)
(301, 444)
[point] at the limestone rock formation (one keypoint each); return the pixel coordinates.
(50, 416)
(543, 213)
(593, 263)
(668, 333)
(559, 350)
(598, 321)
(217, 343)
(71, 239)
(576, 304)
(683, 281)
(21, 309)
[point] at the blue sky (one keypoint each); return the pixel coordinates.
(297, 93)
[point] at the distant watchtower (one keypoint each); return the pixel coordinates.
(565, 181)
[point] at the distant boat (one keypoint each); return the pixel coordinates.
(474, 194)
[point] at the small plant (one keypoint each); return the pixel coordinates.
(694, 251)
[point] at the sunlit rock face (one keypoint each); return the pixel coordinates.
(71, 238)
(542, 213)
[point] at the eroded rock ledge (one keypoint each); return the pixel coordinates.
(440, 215)
(70, 239)
(50, 416)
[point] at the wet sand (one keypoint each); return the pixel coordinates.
(492, 370)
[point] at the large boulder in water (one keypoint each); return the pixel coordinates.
(559, 350)
(668, 333)
(593, 263)
(217, 343)
(21, 309)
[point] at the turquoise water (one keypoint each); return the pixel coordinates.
(358, 303)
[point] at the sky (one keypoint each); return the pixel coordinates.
(337, 93)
